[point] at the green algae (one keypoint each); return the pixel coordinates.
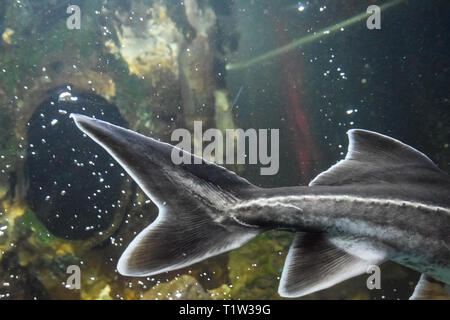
(255, 268)
(29, 221)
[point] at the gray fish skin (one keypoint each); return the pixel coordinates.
(413, 232)
(384, 201)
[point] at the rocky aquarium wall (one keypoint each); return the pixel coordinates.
(151, 66)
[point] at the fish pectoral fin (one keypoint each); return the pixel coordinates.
(430, 289)
(314, 263)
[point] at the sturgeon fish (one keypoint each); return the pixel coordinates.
(384, 201)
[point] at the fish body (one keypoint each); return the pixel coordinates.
(384, 201)
(373, 223)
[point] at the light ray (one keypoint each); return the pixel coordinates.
(307, 39)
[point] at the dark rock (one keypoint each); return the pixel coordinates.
(74, 185)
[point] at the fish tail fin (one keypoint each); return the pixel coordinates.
(192, 197)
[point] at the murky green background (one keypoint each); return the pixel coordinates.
(156, 65)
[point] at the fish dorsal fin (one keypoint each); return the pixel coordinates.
(430, 289)
(315, 263)
(372, 157)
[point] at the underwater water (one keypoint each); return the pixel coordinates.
(310, 69)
